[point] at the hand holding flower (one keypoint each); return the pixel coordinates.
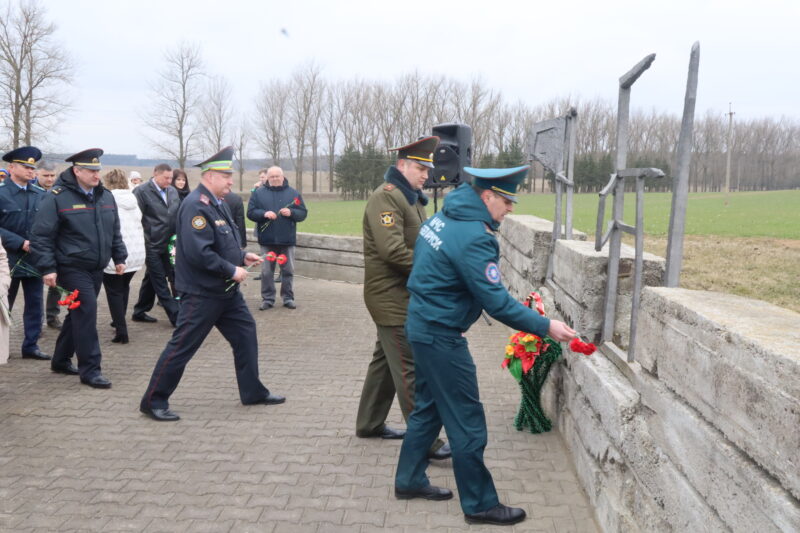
(285, 212)
(251, 259)
(270, 215)
(50, 279)
(240, 275)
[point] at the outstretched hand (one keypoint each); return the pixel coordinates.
(251, 259)
(560, 331)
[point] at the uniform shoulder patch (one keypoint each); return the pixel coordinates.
(57, 189)
(492, 272)
(388, 187)
(387, 219)
(204, 199)
(199, 222)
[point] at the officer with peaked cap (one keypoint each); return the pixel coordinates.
(75, 235)
(394, 213)
(19, 202)
(455, 276)
(208, 269)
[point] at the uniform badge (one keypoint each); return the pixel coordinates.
(78, 206)
(204, 199)
(492, 273)
(198, 222)
(387, 219)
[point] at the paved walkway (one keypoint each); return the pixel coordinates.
(74, 458)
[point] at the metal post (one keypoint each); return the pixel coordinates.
(680, 183)
(615, 244)
(572, 128)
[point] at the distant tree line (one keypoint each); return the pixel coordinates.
(307, 122)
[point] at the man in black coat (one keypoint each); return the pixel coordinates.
(19, 202)
(276, 209)
(236, 206)
(208, 270)
(159, 202)
(75, 235)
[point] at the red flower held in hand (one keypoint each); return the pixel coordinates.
(74, 305)
(297, 201)
(282, 259)
(271, 257)
(578, 346)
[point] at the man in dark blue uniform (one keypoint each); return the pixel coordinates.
(19, 202)
(208, 270)
(456, 275)
(75, 235)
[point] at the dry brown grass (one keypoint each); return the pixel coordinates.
(761, 268)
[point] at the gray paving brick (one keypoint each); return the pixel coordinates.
(82, 459)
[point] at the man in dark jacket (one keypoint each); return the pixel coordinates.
(75, 235)
(19, 202)
(276, 209)
(208, 270)
(236, 205)
(159, 202)
(46, 178)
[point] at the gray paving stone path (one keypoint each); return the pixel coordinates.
(77, 459)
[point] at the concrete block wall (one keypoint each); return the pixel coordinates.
(702, 432)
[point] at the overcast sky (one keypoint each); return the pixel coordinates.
(529, 50)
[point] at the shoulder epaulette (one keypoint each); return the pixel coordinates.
(38, 187)
(388, 187)
(57, 189)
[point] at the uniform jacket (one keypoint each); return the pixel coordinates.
(282, 230)
(456, 274)
(158, 218)
(130, 222)
(72, 231)
(236, 206)
(18, 209)
(391, 223)
(207, 247)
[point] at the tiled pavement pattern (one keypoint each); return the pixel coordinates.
(77, 459)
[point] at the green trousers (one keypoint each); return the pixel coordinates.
(390, 372)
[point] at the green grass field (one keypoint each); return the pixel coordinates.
(774, 214)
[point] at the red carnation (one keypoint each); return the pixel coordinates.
(297, 201)
(281, 259)
(271, 256)
(74, 305)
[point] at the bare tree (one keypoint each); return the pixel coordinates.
(33, 70)
(270, 118)
(331, 117)
(306, 84)
(241, 135)
(216, 114)
(176, 95)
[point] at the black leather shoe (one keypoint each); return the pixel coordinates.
(97, 382)
(68, 369)
(120, 338)
(426, 493)
(144, 317)
(273, 399)
(389, 433)
(162, 415)
(499, 515)
(264, 306)
(54, 323)
(36, 354)
(289, 304)
(444, 452)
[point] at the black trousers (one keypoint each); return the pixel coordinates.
(118, 288)
(198, 314)
(51, 303)
(155, 283)
(79, 332)
(32, 314)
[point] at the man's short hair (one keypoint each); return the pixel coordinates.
(263, 171)
(161, 167)
(49, 166)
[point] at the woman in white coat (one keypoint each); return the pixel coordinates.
(130, 221)
(5, 316)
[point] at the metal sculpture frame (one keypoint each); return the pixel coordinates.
(547, 141)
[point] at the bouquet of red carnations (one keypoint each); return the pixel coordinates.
(529, 358)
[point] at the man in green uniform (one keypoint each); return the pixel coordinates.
(455, 276)
(392, 218)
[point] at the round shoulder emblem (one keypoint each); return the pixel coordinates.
(492, 273)
(198, 222)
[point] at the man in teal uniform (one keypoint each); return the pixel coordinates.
(455, 276)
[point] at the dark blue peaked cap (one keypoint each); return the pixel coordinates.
(87, 159)
(24, 155)
(503, 181)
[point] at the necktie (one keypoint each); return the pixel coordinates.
(90, 196)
